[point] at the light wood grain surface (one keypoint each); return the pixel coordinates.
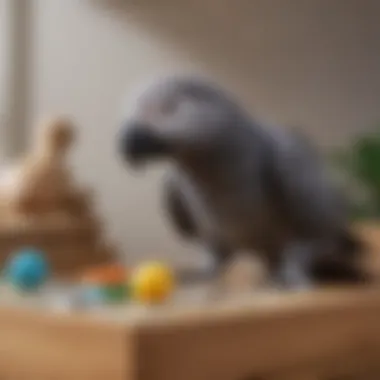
(326, 334)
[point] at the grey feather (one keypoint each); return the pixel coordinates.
(176, 209)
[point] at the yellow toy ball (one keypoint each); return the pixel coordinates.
(152, 282)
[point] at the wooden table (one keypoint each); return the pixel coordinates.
(301, 336)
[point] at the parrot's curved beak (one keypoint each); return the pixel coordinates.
(139, 144)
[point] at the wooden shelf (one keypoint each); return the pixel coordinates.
(320, 335)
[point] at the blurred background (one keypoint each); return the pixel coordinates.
(314, 64)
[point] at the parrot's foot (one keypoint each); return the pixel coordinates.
(284, 283)
(219, 266)
(216, 290)
(293, 272)
(294, 277)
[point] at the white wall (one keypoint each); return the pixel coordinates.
(3, 68)
(85, 62)
(5, 79)
(310, 62)
(15, 46)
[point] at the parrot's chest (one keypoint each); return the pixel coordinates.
(241, 221)
(240, 216)
(248, 229)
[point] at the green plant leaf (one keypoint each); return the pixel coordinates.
(366, 160)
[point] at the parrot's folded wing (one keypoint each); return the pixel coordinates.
(176, 208)
(316, 209)
(299, 183)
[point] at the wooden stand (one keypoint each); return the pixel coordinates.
(323, 335)
(44, 208)
(313, 336)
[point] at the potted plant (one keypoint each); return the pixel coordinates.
(358, 167)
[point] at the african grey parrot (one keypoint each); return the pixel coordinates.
(235, 183)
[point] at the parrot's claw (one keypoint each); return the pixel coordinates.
(294, 273)
(216, 290)
(291, 285)
(293, 278)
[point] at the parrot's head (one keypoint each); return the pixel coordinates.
(177, 118)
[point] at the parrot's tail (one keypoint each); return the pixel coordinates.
(346, 266)
(351, 245)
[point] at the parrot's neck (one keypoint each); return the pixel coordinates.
(230, 162)
(218, 170)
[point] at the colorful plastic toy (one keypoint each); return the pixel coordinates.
(27, 269)
(152, 283)
(106, 283)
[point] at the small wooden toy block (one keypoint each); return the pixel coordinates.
(44, 207)
(107, 283)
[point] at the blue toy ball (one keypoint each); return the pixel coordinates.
(28, 269)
